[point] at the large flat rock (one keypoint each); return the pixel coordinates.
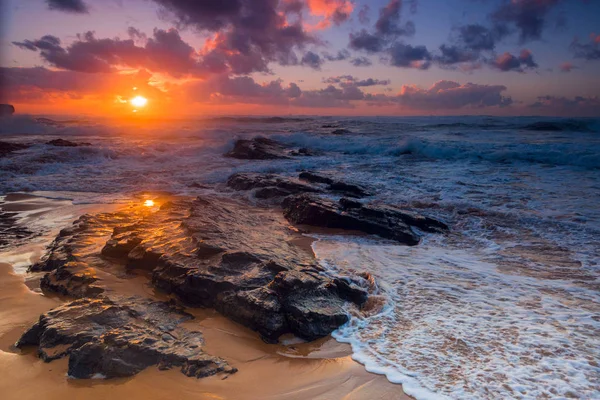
(211, 252)
(120, 337)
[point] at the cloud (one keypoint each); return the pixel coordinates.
(588, 51)
(387, 29)
(332, 11)
(509, 62)
(72, 6)
(449, 95)
(451, 55)
(38, 85)
(340, 56)
(553, 105)
(312, 60)
(567, 67)
(477, 37)
(528, 17)
(361, 62)
(363, 14)
(407, 56)
(164, 52)
(349, 81)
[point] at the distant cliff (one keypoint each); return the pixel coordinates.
(7, 109)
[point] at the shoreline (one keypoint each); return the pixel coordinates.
(322, 369)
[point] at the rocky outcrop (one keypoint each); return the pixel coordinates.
(120, 337)
(6, 109)
(7, 147)
(65, 143)
(384, 221)
(217, 253)
(268, 186)
(348, 189)
(258, 149)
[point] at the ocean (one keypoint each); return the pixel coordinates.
(505, 306)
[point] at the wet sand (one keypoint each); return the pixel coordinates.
(292, 370)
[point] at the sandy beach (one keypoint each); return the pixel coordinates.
(293, 369)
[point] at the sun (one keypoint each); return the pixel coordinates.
(138, 101)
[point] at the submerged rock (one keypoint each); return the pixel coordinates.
(120, 337)
(341, 132)
(258, 149)
(7, 109)
(349, 189)
(8, 147)
(346, 214)
(65, 143)
(268, 185)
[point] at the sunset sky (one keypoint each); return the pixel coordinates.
(279, 57)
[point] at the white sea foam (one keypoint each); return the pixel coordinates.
(456, 326)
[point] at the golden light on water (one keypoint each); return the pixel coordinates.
(138, 101)
(149, 203)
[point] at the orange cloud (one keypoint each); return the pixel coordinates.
(331, 11)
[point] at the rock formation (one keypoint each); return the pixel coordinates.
(120, 337)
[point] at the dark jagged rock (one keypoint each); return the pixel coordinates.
(315, 178)
(10, 231)
(7, 147)
(73, 240)
(272, 186)
(268, 185)
(7, 109)
(340, 132)
(120, 337)
(384, 221)
(72, 279)
(303, 151)
(217, 253)
(258, 149)
(350, 189)
(65, 143)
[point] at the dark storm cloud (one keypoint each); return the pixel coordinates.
(73, 6)
(405, 55)
(509, 62)
(527, 16)
(588, 51)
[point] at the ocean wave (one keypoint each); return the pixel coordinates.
(554, 154)
(570, 125)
